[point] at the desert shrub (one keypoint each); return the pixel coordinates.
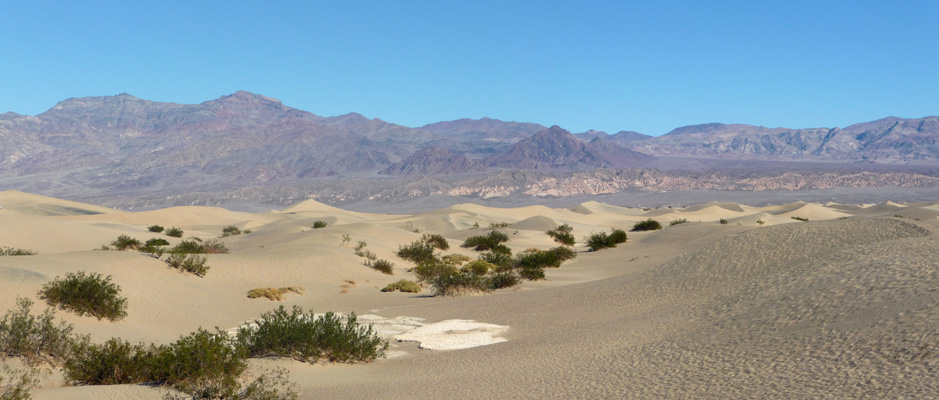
(678, 221)
(760, 222)
(502, 280)
(308, 337)
(274, 294)
(155, 228)
(35, 338)
(203, 364)
(113, 362)
(487, 242)
(502, 261)
(537, 259)
(210, 246)
(418, 251)
(367, 255)
(597, 241)
(230, 230)
(383, 266)
(617, 236)
(319, 224)
(9, 251)
(563, 253)
(124, 242)
(455, 259)
(800, 219)
(403, 285)
(174, 232)
(723, 221)
(497, 225)
(459, 283)
(647, 225)
(156, 242)
(360, 246)
(86, 294)
(193, 263)
(438, 241)
(532, 273)
(16, 384)
(478, 267)
(562, 234)
(214, 247)
(431, 269)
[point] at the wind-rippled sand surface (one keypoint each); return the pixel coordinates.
(839, 308)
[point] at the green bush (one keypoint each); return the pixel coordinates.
(35, 338)
(678, 221)
(113, 362)
(9, 251)
(537, 259)
(196, 246)
(647, 225)
(428, 270)
(155, 228)
(459, 283)
(502, 261)
(204, 364)
(562, 234)
(156, 242)
(502, 280)
(597, 241)
(487, 242)
(319, 224)
(15, 384)
(124, 242)
(800, 219)
(308, 337)
(86, 294)
(192, 263)
(563, 253)
(723, 221)
(479, 267)
(383, 266)
(418, 251)
(438, 241)
(230, 230)
(174, 232)
(532, 273)
(617, 236)
(403, 285)
(455, 259)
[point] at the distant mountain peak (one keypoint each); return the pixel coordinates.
(433, 161)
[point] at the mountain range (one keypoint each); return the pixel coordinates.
(126, 143)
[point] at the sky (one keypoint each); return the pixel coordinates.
(646, 66)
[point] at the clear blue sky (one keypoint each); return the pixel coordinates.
(647, 66)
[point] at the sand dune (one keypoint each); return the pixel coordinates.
(834, 307)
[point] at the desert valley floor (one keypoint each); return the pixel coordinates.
(845, 305)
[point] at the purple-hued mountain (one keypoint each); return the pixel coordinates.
(434, 161)
(555, 148)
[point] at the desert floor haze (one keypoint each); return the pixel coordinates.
(725, 301)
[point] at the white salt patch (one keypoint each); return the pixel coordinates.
(454, 334)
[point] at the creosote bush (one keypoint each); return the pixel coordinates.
(9, 251)
(383, 266)
(478, 267)
(431, 269)
(723, 221)
(174, 232)
(193, 263)
(678, 221)
(455, 259)
(501, 280)
(418, 251)
(562, 234)
(438, 241)
(307, 337)
(35, 338)
(800, 219)
(197, 246)
(155, 228)
(532, 274)
(493, 242)
(274, 294)
(156, 242)
(647, 225)
(602, 240)
(124, 242)
(86, 294)
(403, 285)
(319, 224)
(230, 230)
(459, 283)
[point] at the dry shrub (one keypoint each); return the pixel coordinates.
(274, 294)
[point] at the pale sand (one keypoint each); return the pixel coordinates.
(830, 308)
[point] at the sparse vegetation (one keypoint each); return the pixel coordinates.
(723, 221)
(319, 224)
(16, 384)
(346, 238)
(197, 246)
(492, 242)
(678, 221)
(83, 294)
(383, 266)
(562, 234)
(430, 269)
(478, 267)
(532, 274)
(35, 338)
(124, 242)
(503, 224)
(436, 240)
(418, 251)
(192, 263)
(501, 280)
(760, 222)
(647, 225)
(459, 283)
(155, 228)
(307, 337)
(455, 259)
(800, 219)
(174, 232)
(403, 285)
(502, 261)
(156, 242)
(602, 240)
(274, 294)
(9, 251)
(230, 230)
